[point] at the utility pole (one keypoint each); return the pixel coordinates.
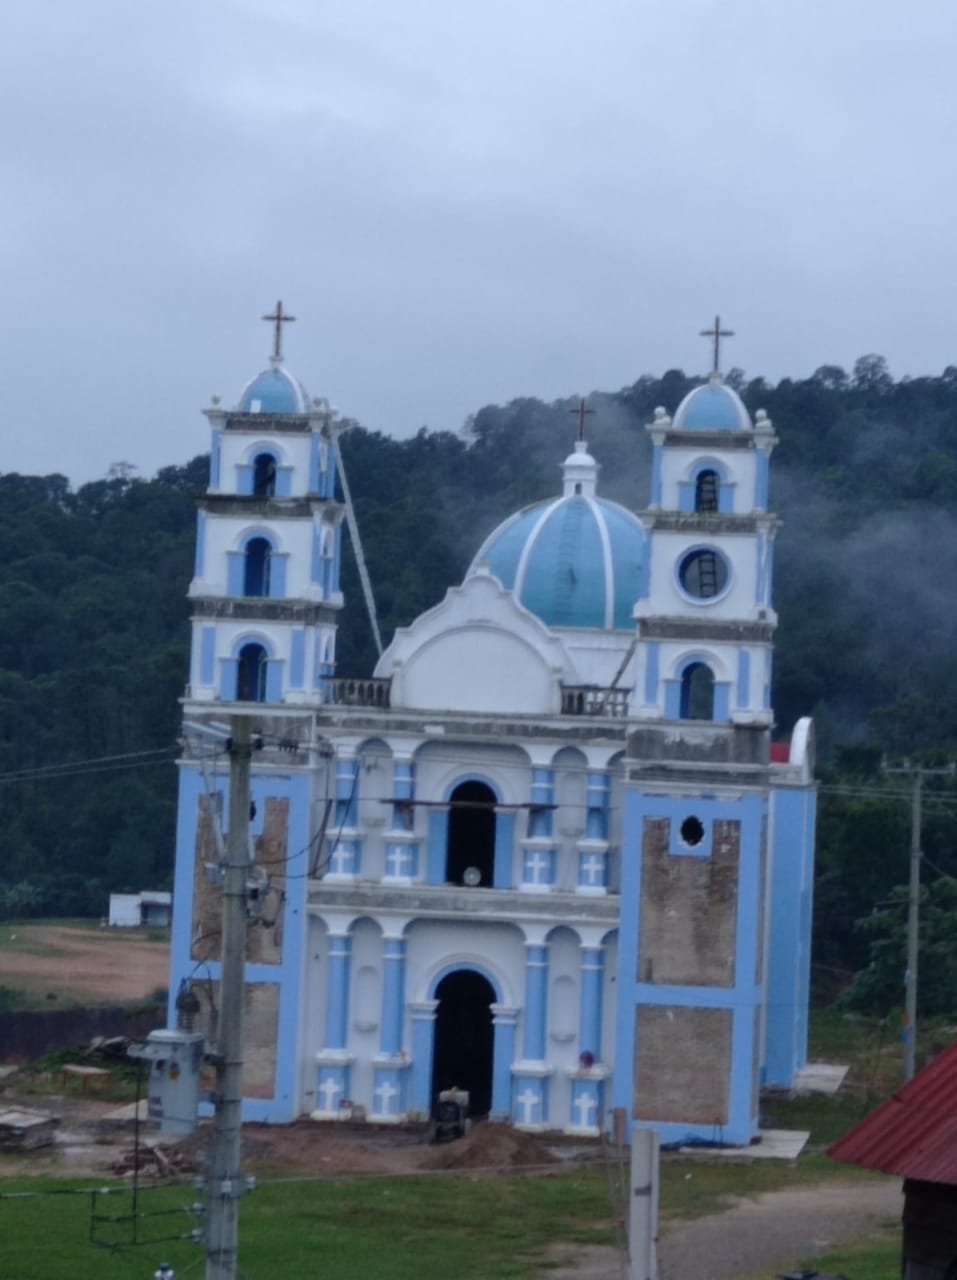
(913, 916)
(643, 1206)
(226, 1184)
(913, 933)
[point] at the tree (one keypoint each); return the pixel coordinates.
(879, 987)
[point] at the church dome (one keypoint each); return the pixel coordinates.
(275, 390)
(574, 561)
(714, 406)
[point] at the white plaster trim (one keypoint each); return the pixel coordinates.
(600, 1071)
(393, 1061)
(529, 545)
(599, 516)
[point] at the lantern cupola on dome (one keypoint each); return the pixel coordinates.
(574, 561)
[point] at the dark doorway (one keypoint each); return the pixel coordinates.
(463, 1038)
(471, 851)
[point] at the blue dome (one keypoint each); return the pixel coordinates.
(274, 390)
(574, 562)
(712, 407)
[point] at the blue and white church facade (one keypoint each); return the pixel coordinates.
(546, 852)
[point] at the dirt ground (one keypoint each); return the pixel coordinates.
(82, 965)
(89, 1142)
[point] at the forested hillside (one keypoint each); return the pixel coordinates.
(93, 625)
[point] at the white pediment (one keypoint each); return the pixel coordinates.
(479, 650)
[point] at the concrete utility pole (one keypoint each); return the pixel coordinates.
(225, 1185)
(913, 916)
(913, 933)
(643, 1206)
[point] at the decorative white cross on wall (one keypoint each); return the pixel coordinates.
(528, 1101)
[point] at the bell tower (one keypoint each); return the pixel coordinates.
(265, 591)
(694, 854)
(705, 624)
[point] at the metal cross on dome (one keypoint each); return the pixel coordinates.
(581, 413)
(717, 333)
(279, 318)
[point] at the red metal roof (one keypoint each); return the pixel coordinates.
(914, 1133)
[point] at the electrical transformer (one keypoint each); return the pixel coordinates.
(176, 1059)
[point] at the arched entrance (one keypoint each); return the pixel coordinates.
(462, 1058)
(471, 848)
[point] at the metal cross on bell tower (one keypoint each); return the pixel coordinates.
(581, 413)
(717, 333)
(278, 318)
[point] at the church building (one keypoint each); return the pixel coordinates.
(547, 851)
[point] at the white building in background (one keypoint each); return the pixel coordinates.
(547, 852)
(132, 910)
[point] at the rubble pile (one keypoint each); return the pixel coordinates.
(155, 1162)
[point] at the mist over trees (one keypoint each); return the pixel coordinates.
(94, 620)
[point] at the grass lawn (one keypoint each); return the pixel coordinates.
(420, 1228)
(877, 1258)
(390, 1228)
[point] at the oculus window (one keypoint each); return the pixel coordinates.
(704, 573)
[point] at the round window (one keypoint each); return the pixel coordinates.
(704, 573)
(692, 831)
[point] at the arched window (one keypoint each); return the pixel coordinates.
(264, 475)
(251, 674)
(256, 575)
(697, 692)
(706, 491)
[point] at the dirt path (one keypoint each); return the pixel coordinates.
(768, 1234)
(82, 965)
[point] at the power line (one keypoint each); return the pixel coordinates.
(94, 764)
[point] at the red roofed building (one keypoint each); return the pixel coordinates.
(914, 1135)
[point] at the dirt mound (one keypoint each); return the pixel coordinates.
(490, 1146)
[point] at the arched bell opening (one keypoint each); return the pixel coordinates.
(251, 674)
(697, 692)
(470, 858)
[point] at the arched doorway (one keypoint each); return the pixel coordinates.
(471, 849)
(462, 1058)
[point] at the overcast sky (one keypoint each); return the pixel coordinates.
(462, 201)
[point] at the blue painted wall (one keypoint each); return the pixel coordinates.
(789, 952)
(742, 999)
(284, 1105)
